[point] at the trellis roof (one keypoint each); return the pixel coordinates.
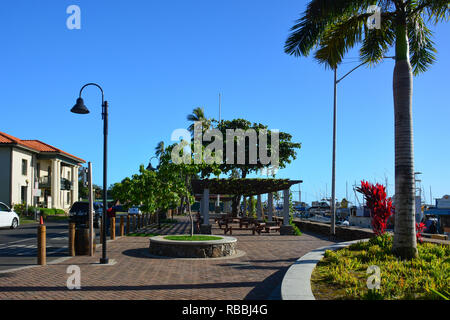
(239, 186)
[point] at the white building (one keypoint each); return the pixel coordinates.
(38, 174)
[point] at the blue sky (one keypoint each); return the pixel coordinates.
(158, 60)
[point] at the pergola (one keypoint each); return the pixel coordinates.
(245, 187)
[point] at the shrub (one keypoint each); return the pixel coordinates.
(20, 209)
(380, 207)
(419, 229)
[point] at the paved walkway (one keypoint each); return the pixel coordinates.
(255, 275)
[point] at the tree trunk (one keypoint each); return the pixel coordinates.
(188, 203)
(181, 207)
(190, 216)
(405, 245)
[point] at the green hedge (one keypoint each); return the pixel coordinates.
(21, 210)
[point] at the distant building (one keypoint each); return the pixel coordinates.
(35, 173)
(442, 212)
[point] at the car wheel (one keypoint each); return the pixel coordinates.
(15, 223)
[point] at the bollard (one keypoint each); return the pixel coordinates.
(128, 224)
(113, 228)
(41, 245)
(121, 226)
(72, 239)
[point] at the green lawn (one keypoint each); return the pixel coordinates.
(193, 238)
(27, 220)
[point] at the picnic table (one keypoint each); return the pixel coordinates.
(245, 223)
(266, 227)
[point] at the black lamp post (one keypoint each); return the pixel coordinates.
(80, 108)
(150, 167)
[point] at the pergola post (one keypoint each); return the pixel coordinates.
(258, 208)
(205, 228)
(270, 205)
(286, 228)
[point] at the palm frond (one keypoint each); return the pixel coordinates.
(319, 15)
(377, 42)
(339, 38)
(421, 46)
(435, 10)
(159, 149)
(197, 114)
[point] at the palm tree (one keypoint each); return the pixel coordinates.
(159, 149)
(333, 27)
(198, 115)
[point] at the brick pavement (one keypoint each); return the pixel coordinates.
(255, 275)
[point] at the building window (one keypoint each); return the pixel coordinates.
(68, 198)
(24, 167)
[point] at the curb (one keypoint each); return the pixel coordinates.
(296, 284)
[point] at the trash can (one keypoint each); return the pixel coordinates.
(82, 240)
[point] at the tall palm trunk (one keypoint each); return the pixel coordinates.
(405, 245)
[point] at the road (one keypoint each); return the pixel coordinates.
(18, 247)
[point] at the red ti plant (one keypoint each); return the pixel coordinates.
(380, 206)
(419, 229)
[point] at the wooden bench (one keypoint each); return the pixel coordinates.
(266, 227)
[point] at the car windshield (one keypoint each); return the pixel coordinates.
(84, 207)
(3, 207)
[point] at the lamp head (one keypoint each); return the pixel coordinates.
(79, 107)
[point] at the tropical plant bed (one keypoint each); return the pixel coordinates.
(342, 274)
(192, 238)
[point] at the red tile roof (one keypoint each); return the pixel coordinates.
(36, 145)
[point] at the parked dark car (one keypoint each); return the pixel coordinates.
(79, 213)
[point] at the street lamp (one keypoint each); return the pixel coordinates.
(150, 167)
(80, 108)
(333, 174)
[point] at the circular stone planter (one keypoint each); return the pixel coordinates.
(224, 247)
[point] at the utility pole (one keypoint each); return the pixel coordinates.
(431, 197)
(346, 191)
(219, 106)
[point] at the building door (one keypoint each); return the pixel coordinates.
(23, 194)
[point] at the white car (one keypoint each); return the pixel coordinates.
(134, 210)
(8, 218)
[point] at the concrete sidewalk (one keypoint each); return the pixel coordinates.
(255, 275)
